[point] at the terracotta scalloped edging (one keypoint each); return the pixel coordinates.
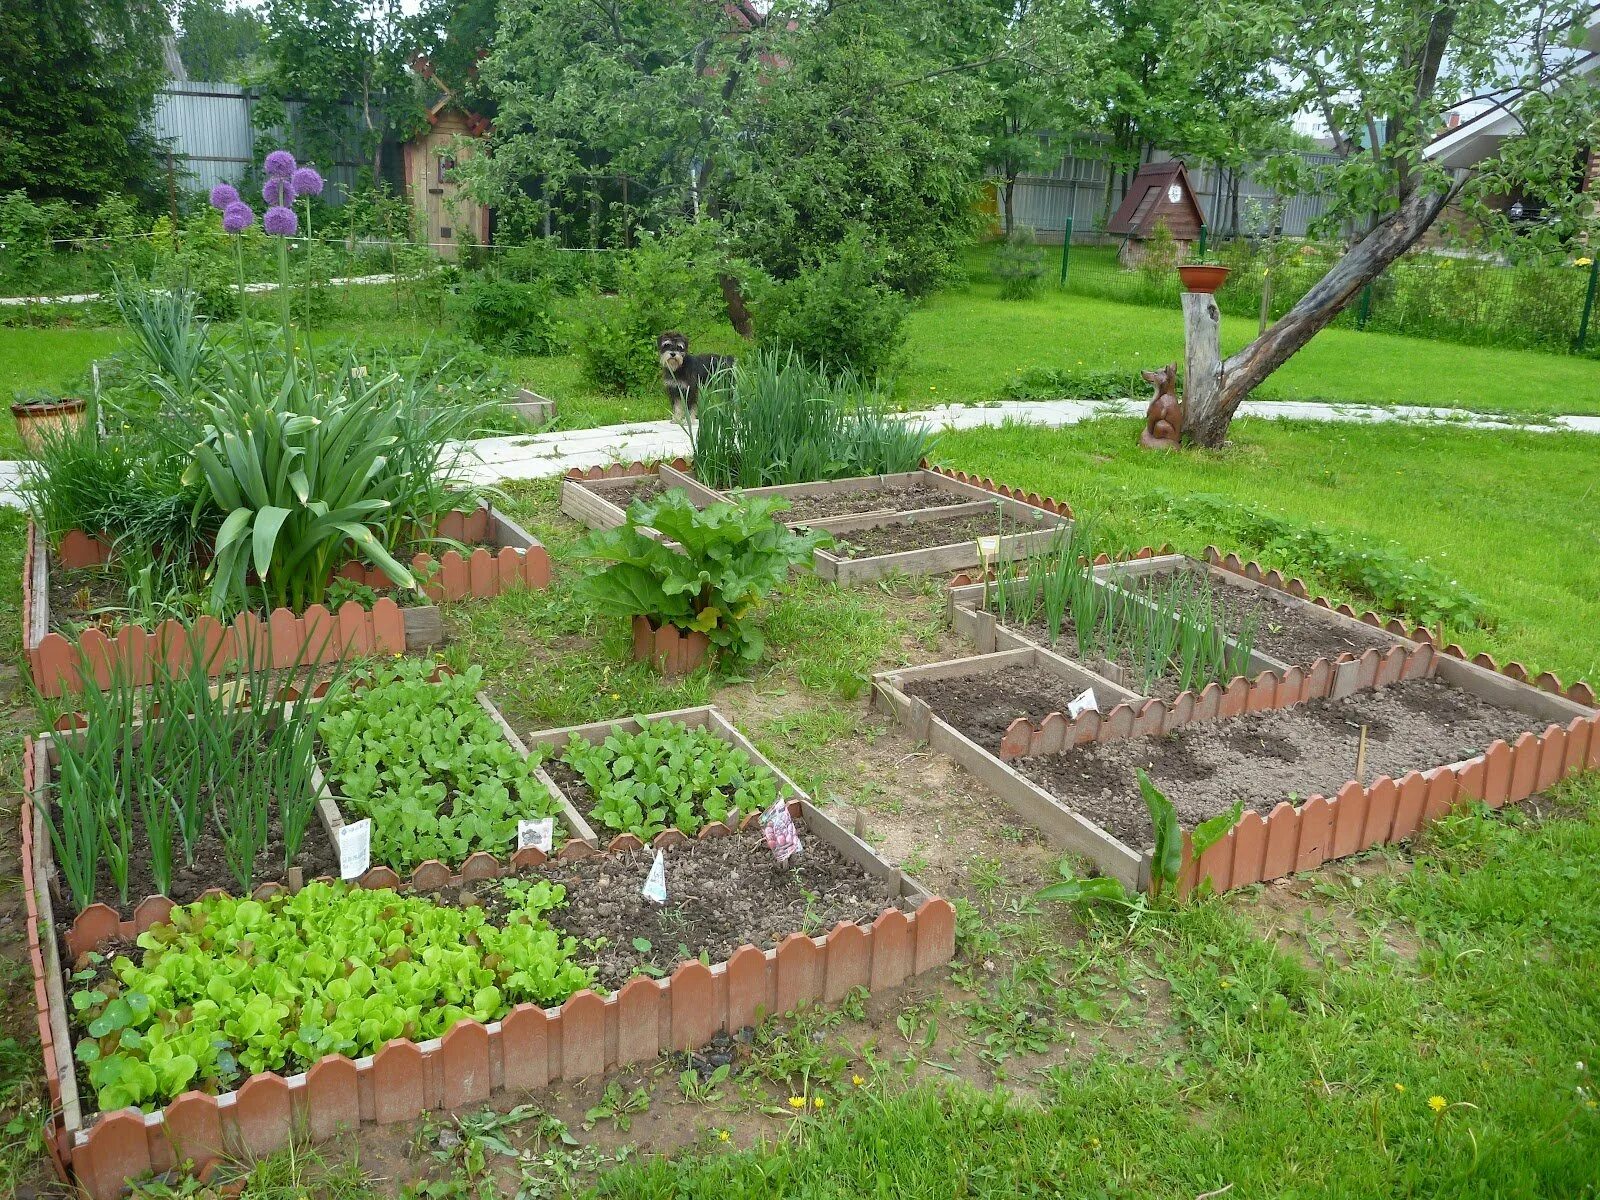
(481, 573)
(1059, 507)
(1268, 690)
(619, 470)
(1582, 692)
(1357, 818)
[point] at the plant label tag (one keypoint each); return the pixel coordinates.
(536, 835)
(989, 546)
(1082, 704)
(655, 883)
(355, 848)
(783, 839)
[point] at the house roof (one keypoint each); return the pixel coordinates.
(1136, 218)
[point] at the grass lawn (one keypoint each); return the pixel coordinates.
(1288, 1040)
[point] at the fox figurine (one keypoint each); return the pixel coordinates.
(1163, 420)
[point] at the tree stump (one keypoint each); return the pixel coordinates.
(1204, 418)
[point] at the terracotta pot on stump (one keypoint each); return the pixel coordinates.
(1202, 278)
(38, 419)
(671, 650)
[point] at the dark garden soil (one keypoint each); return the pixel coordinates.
(897, 536)
(643, 487)
(891, 499)
(1265, 758)
(722, 893)
(1286, 629)
(982, 706)
(317, 857)
(86, 596)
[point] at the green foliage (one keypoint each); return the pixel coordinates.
(668, 776)
(1160, 255)
(725, 561)
(171, 339)
(513, 318)
(428, 764)
(617, 348)
(238, 762)
(232, 987)
(217, 40)
(779, 420)
(836, 313)
(1051, 383)
(76, 474)
(1019, 265)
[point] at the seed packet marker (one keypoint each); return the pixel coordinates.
(783, 839)
(536, 835)
(655, 883)
(1079, 705)
(355, 848)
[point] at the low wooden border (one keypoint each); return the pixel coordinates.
(1582, 692)
(532, 407)
(960, 492)
(530, 1047)
(57, 663)
(584, 493)
(1291, 838)
(935, 560)
(1060, 507)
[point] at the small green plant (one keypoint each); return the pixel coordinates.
(668, 776)
(231, 987)
(722, 563)
(428, 764)
(511, 317)
(618, 1107)
(1019, 265)
(777, 419)
(836, 313)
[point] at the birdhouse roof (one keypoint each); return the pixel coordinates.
(1148, 201)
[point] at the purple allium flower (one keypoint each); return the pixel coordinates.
(276, 190)
(223, 195)
(280, 221)
(306, 182)
(280, 163)
(237, 217)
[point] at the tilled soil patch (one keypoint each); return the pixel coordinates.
(644, 487)
(893, 499)
(898, 536)
(1285, 628)
(1266, 758)
(983, 706)
(86, 595)
(722, 893)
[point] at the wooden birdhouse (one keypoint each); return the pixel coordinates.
(1159, 194)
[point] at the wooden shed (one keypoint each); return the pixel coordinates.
(1160, 193)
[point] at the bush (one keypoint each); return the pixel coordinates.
(544, 261)
(515, 318)
(1161, 256)
(1050, 383)
(836, 314)
(778, 420)
(617, 347)
(1019, 265)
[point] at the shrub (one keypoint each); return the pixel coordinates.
(231, 987)
(1019, 265)
(617, 348)
(1050, 383)
(778, 420)
(835, 313)
(515, 318)
(1161, 255)
(725, 560)
(668, 776)
(428, 764)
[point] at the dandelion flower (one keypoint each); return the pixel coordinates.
(1582, 262)
(722, 1135)
(1438, 1103)
(819, 1102)
(1226, 983)
(857, 1080)
(1400, 1087)
(797, 1101)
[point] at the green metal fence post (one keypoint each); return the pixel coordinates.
(1365, 310)
(1588, 306)
(1203, 232)
(1066, 248)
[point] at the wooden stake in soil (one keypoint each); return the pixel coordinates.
(1361, 758)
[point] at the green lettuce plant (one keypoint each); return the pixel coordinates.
(231, 987)
(668, 776)
(724, 561)
(428, 764)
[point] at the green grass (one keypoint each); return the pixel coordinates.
(1511, 516)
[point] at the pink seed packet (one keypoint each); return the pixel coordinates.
(783, 839)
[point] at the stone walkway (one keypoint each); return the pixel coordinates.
(90, 297)
(541, 456)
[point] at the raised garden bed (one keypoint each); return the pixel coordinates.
(933, 541)
(532, 407)
(599, 498)
(56, 659)
(822, 503)
(887, 929)
(1429, 719)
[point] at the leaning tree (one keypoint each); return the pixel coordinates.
(1382, 74)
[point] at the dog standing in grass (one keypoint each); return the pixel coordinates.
(684, 374)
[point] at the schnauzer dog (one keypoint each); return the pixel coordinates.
(684, 374)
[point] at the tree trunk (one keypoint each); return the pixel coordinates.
(1011, 213)
(1209, 405)
(738, 310)
(1202, 356)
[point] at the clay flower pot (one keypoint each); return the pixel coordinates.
(1203, 278)
(667, 648)
(37, 419)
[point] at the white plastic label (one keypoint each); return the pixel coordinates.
(1082, 704)
(355, 848)
(537, 835)
(655, 883)
(989, 546)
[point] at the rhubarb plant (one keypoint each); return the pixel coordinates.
(668, 776)
(428, 764)
(230, 987)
